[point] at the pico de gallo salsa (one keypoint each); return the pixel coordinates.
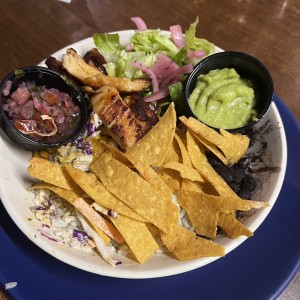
(42, 114)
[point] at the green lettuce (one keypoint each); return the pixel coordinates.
(119, 60)
(145, 45)
(193, 43)
(153, 41)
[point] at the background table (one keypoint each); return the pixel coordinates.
(269, 30)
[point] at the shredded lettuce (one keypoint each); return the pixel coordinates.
(145, 45)
(153, 41)
(109, 45)
(193, 43)
(119, 61)
(124, 68)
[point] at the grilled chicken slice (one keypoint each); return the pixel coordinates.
(77, 66)
(93, 77)
(118, 118)
(122, 84)
(145, 116)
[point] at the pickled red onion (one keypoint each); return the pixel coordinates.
(177, 36)
(139, 22)
(149, 72)
(196, 53)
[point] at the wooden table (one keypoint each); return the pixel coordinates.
(269, 30)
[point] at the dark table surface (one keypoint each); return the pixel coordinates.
(269, 30)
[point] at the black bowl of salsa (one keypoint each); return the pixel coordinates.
(40, 109)
(230, 90)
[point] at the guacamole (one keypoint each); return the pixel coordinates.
(222, 99)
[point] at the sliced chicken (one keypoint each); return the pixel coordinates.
(118, 118)
(93, 77)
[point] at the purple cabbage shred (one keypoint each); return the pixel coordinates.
(80, 235)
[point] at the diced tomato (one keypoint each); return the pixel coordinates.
(51, 98)
(38, 111)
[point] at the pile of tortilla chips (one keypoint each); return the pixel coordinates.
(140, 186)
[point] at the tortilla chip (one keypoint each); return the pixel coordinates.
(202, 210)
(228, 147)
(171, 178)
(153, 147)
(52, 173)
(232, 227)
(173, 154)
(185, 171)
(96, 190)
(99, 147)
(183, 150)
(159, 186)
(137, 236)
(185, 245)
(135, 191)
(200, 162)
(238, 142)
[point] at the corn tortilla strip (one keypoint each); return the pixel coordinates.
(205, 187)
(232, 227)
(186, 160)
(137, 236)
(185, 245)
(202, 211)
(232, 146)
(133, 190)
(173, 154)
(153, 178)
(171, 178)
(200, 162)
(99, 147)
(94, 218)
(208, 144)
(185, 171)
(160, 188)
(238, 142)
(96, 190)
(153, 147)
(52, 173)
(71, 197)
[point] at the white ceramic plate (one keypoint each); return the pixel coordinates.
(14, 180)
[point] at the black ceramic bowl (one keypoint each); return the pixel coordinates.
(42, 77)
(247, 67)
